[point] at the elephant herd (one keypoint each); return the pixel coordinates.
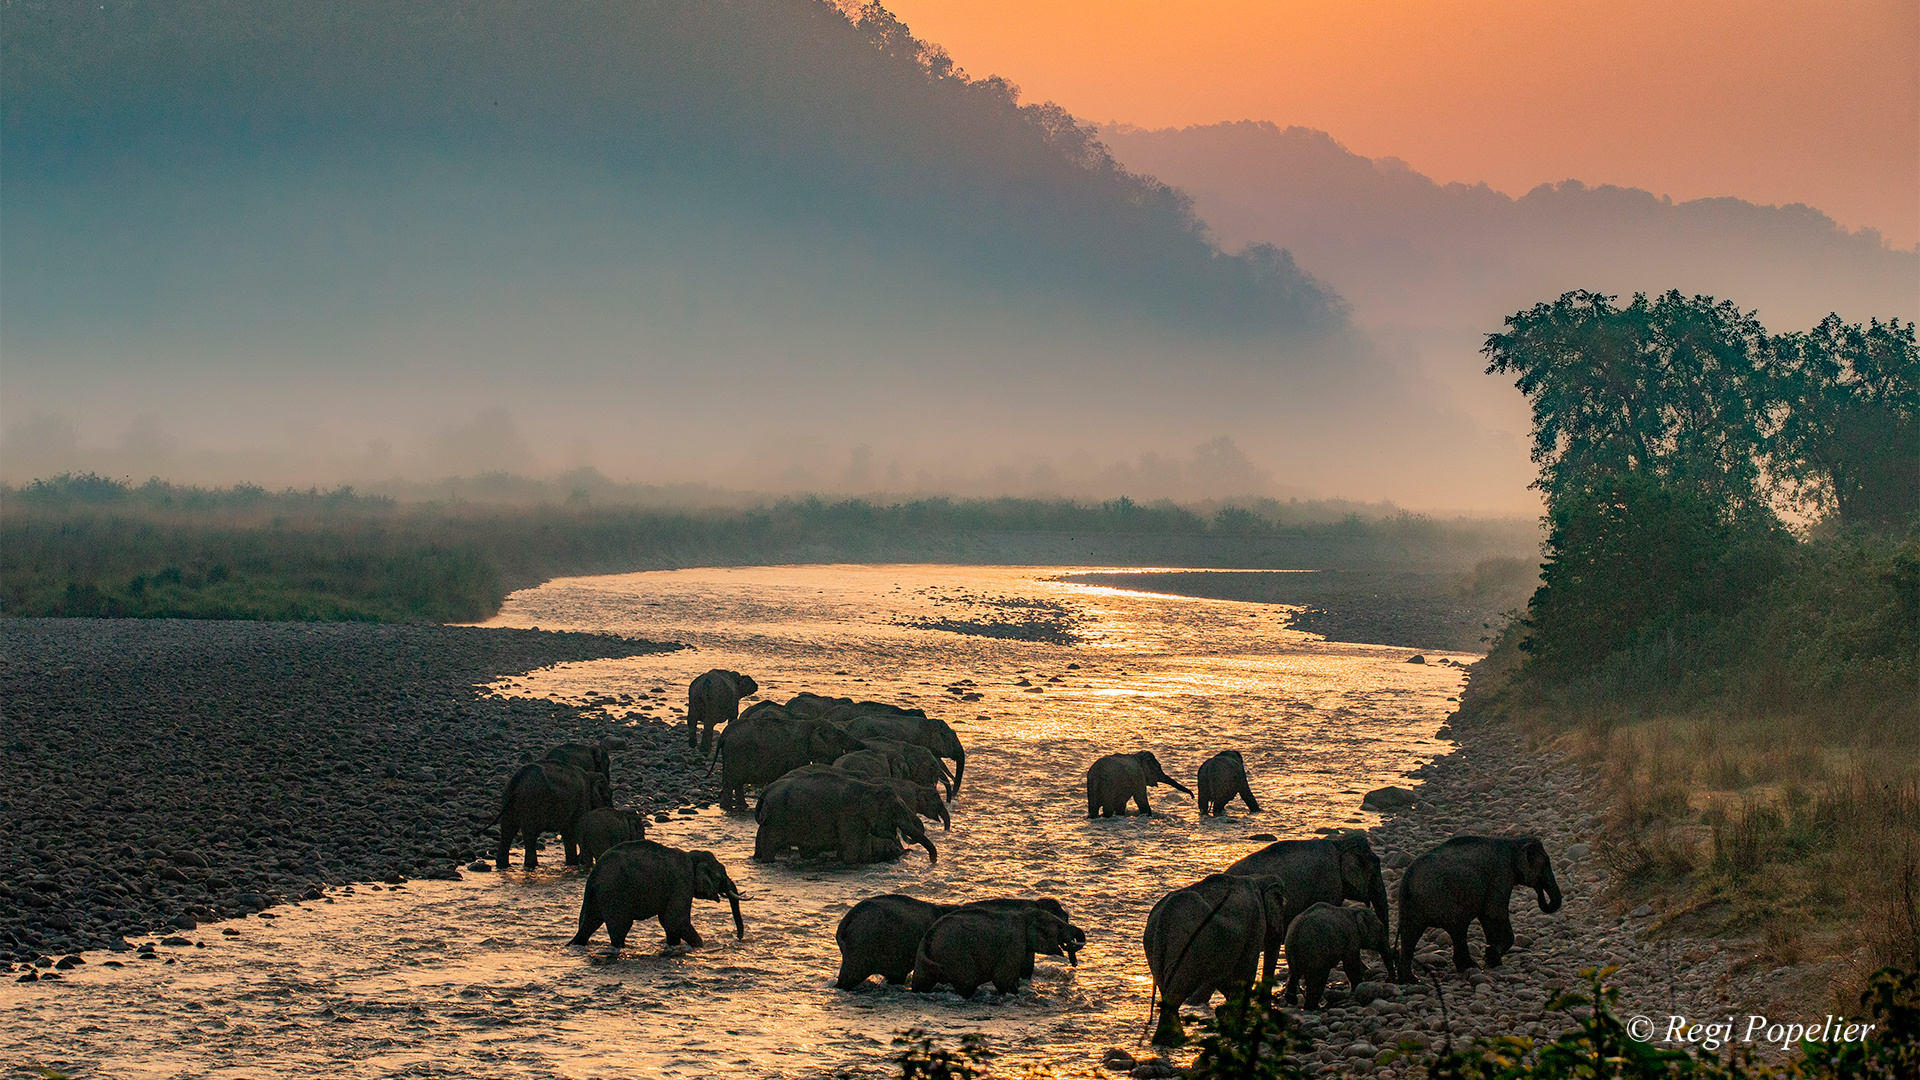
(853, 779)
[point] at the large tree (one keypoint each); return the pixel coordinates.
(1849, 419)
(1672, 389)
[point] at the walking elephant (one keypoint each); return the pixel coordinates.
(985, 943)
(641, 879)
(881, 935)
(1328, 934)
(1330, 870)
(547, 797)
(767, 743)
(1116, 778)
(1222, 777)
(907, 726)
(1208, 936)
(826, 811)
(1468, 878)
(714, 698)
(603, 828)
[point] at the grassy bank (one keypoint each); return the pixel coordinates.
(1762, 764)
(86, 546)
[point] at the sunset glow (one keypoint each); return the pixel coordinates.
(1774, 103)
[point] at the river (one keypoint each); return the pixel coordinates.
(474, 978)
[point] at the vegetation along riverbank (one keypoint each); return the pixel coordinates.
(84, 546)
(1728, 624)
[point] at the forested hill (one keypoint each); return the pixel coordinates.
(794, 112)
(1407, 250)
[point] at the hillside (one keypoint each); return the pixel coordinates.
(1409, 251)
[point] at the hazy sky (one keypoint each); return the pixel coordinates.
(1802, 101)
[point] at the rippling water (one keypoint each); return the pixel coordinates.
(474, 978)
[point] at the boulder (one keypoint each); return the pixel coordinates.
(1388, 799)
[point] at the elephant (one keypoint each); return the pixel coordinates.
(587, 757)
(1222, 777)
(768, 743)
(1330, 870)
(907, 726)
(714, 698)
(641, 879)
(1329, 934)
(869, 764)
(1209, 936)
(1114, 779)
(881, 935)
(820, 811)
(920, 798)
(911, 760)
(1468, 878)
(548, 797)
(603, 828)
(813, 706)
(982, 943)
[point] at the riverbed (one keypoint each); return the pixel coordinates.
(1039, 676)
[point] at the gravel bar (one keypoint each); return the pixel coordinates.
(157, 774)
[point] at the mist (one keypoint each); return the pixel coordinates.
(737, 248)
(1431, 268)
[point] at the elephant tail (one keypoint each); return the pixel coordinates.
(713, 757)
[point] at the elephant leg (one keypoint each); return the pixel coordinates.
(590, 919)
(1410, 931)
(1140, 800)
(1201, 995)
(924, 979)
(1292, 993)
(1462, 956)
(1316, 986)
(850, 975)
(693, 729)
(677, 919)
(1499, 929)
(1356, 966)
(571, 847)
(1169, 1032)
(509, 825)
(617, 932)
(1026, 967)
(530, 839)
(967, 992)
(1093, 802)
(764, 845)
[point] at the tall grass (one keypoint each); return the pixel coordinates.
(1762, 768)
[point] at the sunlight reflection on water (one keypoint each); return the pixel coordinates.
(473, 978)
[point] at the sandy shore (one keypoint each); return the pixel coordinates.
(163, 773)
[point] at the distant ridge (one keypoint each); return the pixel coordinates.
(1405, 249)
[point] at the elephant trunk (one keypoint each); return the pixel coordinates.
(739, 924)
(1548, 893)
(946, 817)
(1377, 897)
(933, 854)
(959, 767)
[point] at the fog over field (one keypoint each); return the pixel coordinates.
(753, 246)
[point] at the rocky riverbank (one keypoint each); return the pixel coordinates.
(159, 774)
(1495, 784)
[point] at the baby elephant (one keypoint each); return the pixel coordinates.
(1325, 935)
(1116, 779)
(641, 879)
(1221, 778)
(984, 943)
(607, 826)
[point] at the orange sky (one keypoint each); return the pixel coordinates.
(1775, 102)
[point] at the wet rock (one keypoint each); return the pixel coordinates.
(1416, 658)
(175, 940)
(1580, 852)
(480, 866)
(1118, 1060)
(1369, 992)
(1388, 799)
(1267, 836)
(184, 922)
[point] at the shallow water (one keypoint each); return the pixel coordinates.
(474, 978)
